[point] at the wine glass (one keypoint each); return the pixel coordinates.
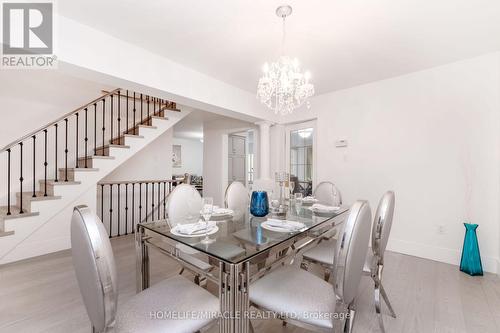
(298, 202)
(291, 187)
(207, 209)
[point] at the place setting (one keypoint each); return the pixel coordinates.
(204, 227)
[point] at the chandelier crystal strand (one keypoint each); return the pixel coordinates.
(283, 87)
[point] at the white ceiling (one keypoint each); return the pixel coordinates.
(343, 43)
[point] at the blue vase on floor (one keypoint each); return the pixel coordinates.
(471, 259)
(259, 204)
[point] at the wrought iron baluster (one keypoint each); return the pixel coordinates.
(66, 151)
(110, 210)
(34, 161)
(8, 182)
(21, 179)
(45, 164)
(152, 201)
(146, 202)
(164, 199)
(77, 128)
(134, 110)
(119, 211)
(56, 172)
(119, 118)
(126, 202)
(111, 119)
(159, 201)
(126, 127)
(95, 128)
(102, 202)
(142, 102)
(147, 101)
(86, 138)
(133, 207)
(140, 202)
(103, 124)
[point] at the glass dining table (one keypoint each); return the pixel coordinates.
(242, 251)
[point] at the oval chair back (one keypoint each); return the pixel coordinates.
(328, 194)
(352, 247)
(382, 225)
(237, 197)
(183, 205)
(95, 267)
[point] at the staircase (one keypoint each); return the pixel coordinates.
(52, 169)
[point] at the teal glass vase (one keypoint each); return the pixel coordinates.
(471, 259)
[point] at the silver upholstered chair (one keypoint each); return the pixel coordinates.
(328, 194)
(236, 197)
(323, 254)
(184, 206)
(304, 299)
(96, 274)
(374, 264)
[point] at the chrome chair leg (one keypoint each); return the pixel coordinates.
(349, 322)
(304, 265)
(386, 300)
(378, 308)
(181, 271)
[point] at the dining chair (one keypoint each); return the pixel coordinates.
(323, 254)
(328, 194)
(96, 274)
(236, 197)
(305, 300)
(184, 206)
(374, 265)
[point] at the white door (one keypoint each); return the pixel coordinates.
(301, 156)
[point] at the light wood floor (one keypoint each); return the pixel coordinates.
(41, 295)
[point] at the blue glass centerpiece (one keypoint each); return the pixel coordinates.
(259, 204)
(471, 259)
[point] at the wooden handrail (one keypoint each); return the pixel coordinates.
(165, 105)
(27, 136)
(122, 182)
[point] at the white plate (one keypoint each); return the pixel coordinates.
(267, 226)
(202, 234)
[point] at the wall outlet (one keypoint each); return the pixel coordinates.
(441, 229)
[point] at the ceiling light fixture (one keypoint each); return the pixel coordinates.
(283, 87)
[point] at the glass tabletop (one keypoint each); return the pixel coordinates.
(242, 236)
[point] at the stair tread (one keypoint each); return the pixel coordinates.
(14, 213)
(60, 182)
(96, 157)
(79, 169)
(112, 146)
(6, 233)
(39, 196)
(147, 126)
(132, 136)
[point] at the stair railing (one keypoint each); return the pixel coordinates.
(72, 140)
(123, 204)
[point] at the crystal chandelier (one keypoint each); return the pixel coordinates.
(283, 87)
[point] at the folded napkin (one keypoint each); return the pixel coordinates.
(324, 208)
(309, 199)
(221, 211)
(194, 228)
(285, 224)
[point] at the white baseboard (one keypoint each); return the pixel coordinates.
(441, 254)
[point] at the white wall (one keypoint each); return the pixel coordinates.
(154, 162)
(431, 136)
(192, 156)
